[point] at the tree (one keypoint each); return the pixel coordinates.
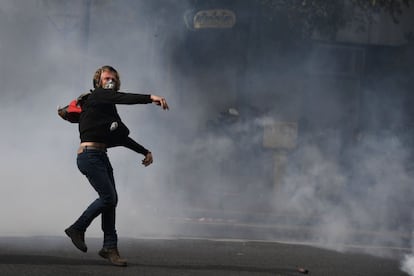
(326, 17)
(393, 7)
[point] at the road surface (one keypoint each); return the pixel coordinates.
(57, 256)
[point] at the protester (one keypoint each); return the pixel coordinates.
(100, 128)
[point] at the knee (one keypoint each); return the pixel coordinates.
(110, 201)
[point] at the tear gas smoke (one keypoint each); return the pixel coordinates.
(407, 264)
(340, 184)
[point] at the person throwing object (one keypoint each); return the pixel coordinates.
(100, 128)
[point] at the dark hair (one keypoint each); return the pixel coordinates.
(97, 76)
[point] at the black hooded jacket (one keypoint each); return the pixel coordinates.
(99, 113)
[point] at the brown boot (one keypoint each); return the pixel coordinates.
(113, 257)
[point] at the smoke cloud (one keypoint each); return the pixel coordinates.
(347, 179)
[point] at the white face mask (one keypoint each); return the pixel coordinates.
(110, 84)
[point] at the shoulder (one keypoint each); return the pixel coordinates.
(83, 97)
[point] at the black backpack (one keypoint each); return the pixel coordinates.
(72, 111)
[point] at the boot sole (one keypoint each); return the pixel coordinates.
(105, 256)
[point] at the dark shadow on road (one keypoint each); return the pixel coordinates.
(52, 260)
(47, 260)
(277, 271)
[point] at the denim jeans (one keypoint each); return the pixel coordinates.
(95, 165)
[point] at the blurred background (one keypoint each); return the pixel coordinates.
(289, 120)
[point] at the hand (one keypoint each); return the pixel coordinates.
(147, 160)
(160, 101)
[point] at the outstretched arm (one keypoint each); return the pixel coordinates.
(113, 97)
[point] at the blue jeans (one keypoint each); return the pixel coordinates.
(95, 165)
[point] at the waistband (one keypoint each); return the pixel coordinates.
(85, 148)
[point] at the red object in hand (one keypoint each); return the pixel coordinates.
(71, 112)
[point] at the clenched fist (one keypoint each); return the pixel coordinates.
(147, 160)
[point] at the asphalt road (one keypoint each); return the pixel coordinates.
(57, 256)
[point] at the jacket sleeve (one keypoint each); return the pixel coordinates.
(132, 145)
(113, 97)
